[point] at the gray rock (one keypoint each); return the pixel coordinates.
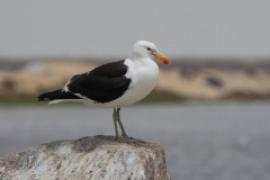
(97, 158)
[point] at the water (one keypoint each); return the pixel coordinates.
(218, 141)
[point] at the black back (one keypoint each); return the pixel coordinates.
(103, 84)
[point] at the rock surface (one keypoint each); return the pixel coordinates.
(99, 157)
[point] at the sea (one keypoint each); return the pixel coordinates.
(202, 141)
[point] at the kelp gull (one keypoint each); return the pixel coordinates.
(115, 84)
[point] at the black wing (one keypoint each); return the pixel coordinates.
(103, 84)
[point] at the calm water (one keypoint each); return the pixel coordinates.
(219, 141)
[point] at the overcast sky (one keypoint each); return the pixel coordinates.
(109, 28)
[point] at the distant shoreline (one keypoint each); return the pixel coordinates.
(203, 81)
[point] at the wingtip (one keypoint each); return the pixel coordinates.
(39, 98)
(42, 98)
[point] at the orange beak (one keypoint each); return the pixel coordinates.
(163, 58)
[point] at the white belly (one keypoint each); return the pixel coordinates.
(144, 79)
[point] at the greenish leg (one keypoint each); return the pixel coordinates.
(123, 133)
(115, 123)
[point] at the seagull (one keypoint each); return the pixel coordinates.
(114, 84)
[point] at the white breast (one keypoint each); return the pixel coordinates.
(144, 75)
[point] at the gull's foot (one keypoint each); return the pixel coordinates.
(116, 138)
(124, 135)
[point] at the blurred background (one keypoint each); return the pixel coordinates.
(210, 108)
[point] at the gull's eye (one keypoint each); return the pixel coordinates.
(148, 49)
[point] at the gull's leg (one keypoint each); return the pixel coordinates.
(124, 134)
(115, 122)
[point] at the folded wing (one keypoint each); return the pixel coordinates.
(103, 84)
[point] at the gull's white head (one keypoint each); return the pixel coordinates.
(146, 49)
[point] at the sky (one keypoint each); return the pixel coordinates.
(99, 28)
